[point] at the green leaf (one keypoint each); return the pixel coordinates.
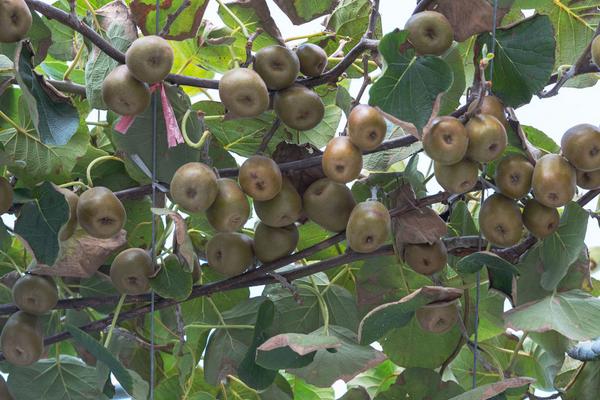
(564, 246)
(500, 271)
(131, 381)
(305, 391)
(320, 135)
(349, 360)
(350, 19)
(409, 84)
(386, 317)
(540, 140)
(382, 161)
(357, 393)
(254, 14)
(301, 11)
(570, 313)
(489, 391)
(172, 281)
(279, 390)
(377, 379)
(524, 59)
(138, 141)
(586, 385)
(292, 350)
(254, 375)
(53, 115)
(40, 220)
(451, 99)
(420, 384)
(49, 380)
(184, 26)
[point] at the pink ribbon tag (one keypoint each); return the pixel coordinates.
(174, 136)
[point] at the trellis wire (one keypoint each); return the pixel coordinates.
(482, 199)
(154, 183)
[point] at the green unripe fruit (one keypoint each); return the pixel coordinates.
(369, 226)
(150, 59)
(35, 294)
(100, 213)
(230, 254)
(131, 270)
(194, 187)
(22, 340)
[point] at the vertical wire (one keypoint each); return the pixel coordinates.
(480, 241)
(153, 247)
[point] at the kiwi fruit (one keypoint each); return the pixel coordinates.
(513, 176)
(487, 138)
(131, 270)
(69, 228)
(100, 213)
(540, 220)
(313, 59)
(490, 105)
(123, 93)
(194, 187)
(588, 180)
(342, 160)
(299, 107)
(500, 220)
(438, 317)
(457, 178)
(150, 59)
(446, 141)
(366, 127)
(369, 226)
(328, 204)
(243, 93)
(230, 210)
(429, 32)
(35, 294)
(22, 340)
(230, 253)
(271, 243)
(553, 181)
(260, 178)
(425, 258)
(277, 65)
(15, 19)
(581, 146)
(283, 209)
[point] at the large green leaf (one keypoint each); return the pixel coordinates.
(500, 271)
(305, 391)
(489, 391)
(138, 139)
(350, 19)
(40, 220)
(254, 14)
(349, 360)
(131, 381)
(184, 26)
(409, 84)
(386, 317)
(587, 385)
(420, 384)
(172, 281)
(524, 59)
(292, 350)
(571, 313)
(53, 115)
(451, 99)
(564, 246)
(377, 379)
(49, 380)
(301, 11)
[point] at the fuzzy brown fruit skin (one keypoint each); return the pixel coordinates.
(313, 59)
(124, 94)
(500, 220)
(230, 210)
(72, 200)
(131, 270)
(491, 105)
(369, 226)
(299, 107)
(100, 213)
(260, 178)
(328, 204)
(283, 209)
(35, 294)
(278, 66)
(513, 176)
(588, 180)
(6, 195)
(150, 59)
(229, 254)
(487, 138)
(243, 93)
(271, 243)
(366, 127)
(15, 20)
(540, 220)
(581, 146)
(438, 317)
(457, 178)
(425, 258)
(553, 181)
(447, 140)
(596, 51)
(429, 32)
(342, 160)
(194, 187)
(22, 340)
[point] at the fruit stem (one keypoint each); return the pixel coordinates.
(74, 183)
(114, 320)
(322, 304)
(235, 18)
(342, 273)
(88, 172)
(74, 63)
(513, 357)
(13, 124)
(186, 138)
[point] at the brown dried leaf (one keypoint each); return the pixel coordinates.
(468, 17)
(267, 23)
(184, 247)
(300, 178)
(421, 225)
(117, 12)
(289, 8)
(82, 255)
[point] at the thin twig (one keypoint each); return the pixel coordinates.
(180, 327)
(268, 136)
(172, 17)
(373, 17)
(249, 45)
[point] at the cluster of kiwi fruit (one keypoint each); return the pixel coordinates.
(245, 92)
(22, 339)
(15, 20)
(148, 60)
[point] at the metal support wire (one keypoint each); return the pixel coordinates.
(155, 100)
(480, 243)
